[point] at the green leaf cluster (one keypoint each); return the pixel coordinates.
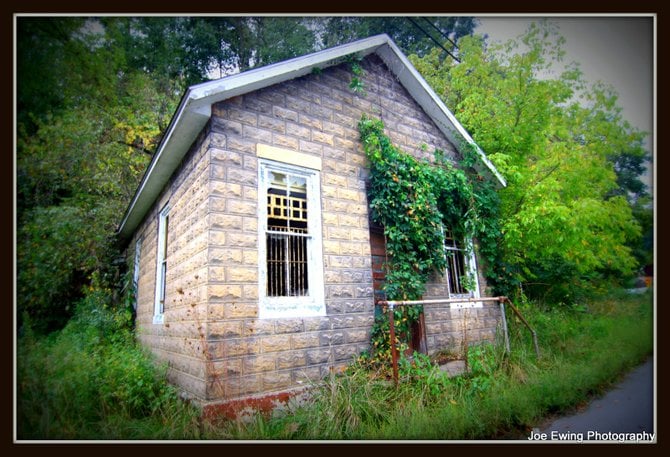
(92, 379)
(80, 155)
(403, 198)
(405, 31)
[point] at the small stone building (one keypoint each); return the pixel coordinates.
(255, 262)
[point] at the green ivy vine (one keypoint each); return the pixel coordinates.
(415, 201)
(356, 83)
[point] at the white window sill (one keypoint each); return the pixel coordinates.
(468, 304)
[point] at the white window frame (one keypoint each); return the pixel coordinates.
(470, 261)
(161, 265)
(312, 304)
(136, 273)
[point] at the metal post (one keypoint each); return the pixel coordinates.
(394, 356)
(504, 323)
(424, 337)
(532, 332)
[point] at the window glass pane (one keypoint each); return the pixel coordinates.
(136, 272)
(161, 267)
(162, 291)
(165, 238)
(287, 203)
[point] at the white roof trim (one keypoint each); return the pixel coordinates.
(430, 102)
(194, 112)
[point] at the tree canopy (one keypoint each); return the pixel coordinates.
(571, 161)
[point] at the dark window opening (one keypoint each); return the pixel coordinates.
(164, 265)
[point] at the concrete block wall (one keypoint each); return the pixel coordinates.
(179, 341)
(453, 329)
(255, 355)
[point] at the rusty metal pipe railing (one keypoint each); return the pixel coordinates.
(394, 355)
(436, 301)
(391, 304)
(503, 319)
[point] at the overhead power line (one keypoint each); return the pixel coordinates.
(440, 32)
(433, 39)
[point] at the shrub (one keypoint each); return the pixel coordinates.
(93, 381)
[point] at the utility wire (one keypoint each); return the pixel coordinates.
(440, 31)
(434, 40)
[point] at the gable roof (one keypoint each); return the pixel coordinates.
(195, 110)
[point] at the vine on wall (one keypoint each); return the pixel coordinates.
(415, 201)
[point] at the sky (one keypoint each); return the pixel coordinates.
(618, 50)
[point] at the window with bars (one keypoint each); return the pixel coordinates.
(286, 236)
(136, 272)
(290, 264)
(460, 268)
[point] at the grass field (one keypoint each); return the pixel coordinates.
(78, 384)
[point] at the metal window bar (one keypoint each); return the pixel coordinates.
(286, 238)
(455, 265)
(286, 263)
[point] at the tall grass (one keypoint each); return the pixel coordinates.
(91, 381)
(584, 350)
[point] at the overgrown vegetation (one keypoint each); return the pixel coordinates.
(501, 397)
(90, 381)
(416, 202)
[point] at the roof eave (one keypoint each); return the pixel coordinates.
(194, 112)
(185, 126)
(431, 103)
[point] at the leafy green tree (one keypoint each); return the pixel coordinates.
(225, 45)
(80, 155)
(45, 50)
(232, 44)
(566, 216)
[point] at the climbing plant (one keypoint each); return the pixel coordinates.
(416, 201)
(356, 83)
